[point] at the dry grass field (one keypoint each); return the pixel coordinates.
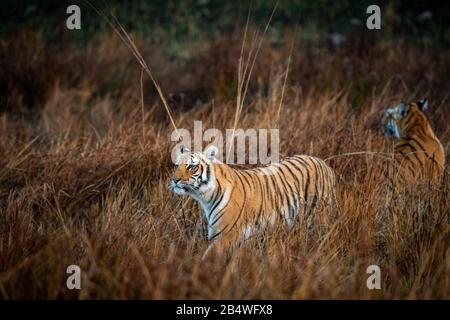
(85, 163)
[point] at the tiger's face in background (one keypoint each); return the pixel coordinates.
(400, 120)
(193, 174)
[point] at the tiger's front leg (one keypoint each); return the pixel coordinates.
(223, 243)
(208, 250)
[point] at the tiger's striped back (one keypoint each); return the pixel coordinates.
(418, 153)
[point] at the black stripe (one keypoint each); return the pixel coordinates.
(316, 177)
(296, 193)
(208, 175)
(243, 175)
(300, 170)
(295, 178)
(408, 121)
(277, 195)
(216, 204)
(263, 202)
(290, 194)
(307, 178)
(285, 191)
(322, 177)
(268, 193)
(406, 158)
(420, 146)
(217, 217)
(238, 174)
(412, 152)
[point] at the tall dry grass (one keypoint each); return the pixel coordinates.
(84, 170)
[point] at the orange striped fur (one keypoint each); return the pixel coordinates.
(239, 202)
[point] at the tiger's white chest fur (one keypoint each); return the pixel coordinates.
(213, 210)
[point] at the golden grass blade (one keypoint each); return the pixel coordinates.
(128, 41)
(286, 76)
(245, 75)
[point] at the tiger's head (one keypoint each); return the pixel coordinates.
(403, 119)
(194, 172)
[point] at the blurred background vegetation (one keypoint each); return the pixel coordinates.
(174, 23)
(200, 39)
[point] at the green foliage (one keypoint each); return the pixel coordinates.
(165, 22)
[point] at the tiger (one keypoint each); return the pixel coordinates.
(238, 203)
(418, 153)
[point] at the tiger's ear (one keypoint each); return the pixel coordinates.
(389, 111)
(423, 104)
(183, 149)
(211, 152)
(178, 150)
